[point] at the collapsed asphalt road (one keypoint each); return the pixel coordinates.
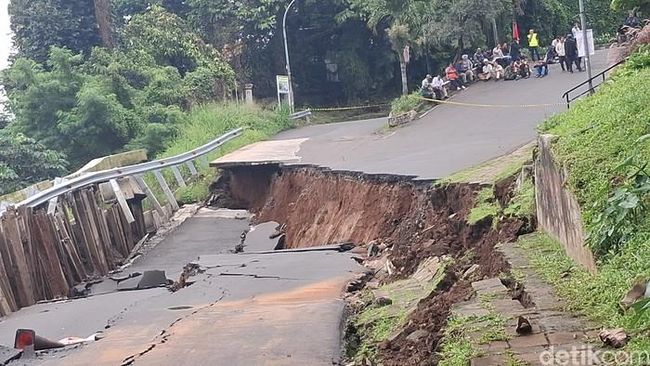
(245, 309)
(278, 308)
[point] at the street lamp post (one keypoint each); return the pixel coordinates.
(286, 54)
(583, 25)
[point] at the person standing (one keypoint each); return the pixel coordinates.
(561, 53)
(533, 44)
(515, 53)
(575, 30)
(571, 53)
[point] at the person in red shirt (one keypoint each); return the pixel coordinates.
(452, 76)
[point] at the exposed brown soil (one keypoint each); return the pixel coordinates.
(411, 220)
(432, 312)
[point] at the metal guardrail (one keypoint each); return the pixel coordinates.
(601, 74)
(107, 175)
(301, 114)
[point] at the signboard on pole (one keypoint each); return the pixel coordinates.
(282, 82)
(581, 44)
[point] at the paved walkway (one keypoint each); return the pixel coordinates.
(555, 334)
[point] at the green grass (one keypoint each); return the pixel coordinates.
(457, 346)
(406, 103)
(494, 170)
(598, 133)
(207, 122)
(595, 296)
(486, 206)
(523, 202)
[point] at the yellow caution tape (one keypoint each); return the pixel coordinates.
(347, 108)
(492, 105)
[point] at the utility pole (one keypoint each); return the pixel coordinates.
(286, 54)
(583, 25)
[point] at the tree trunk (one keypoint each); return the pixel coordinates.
(402, 66)
(103, 18)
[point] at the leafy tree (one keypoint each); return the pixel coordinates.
(643, 5)
(171, 42)
(24, 161)
(38, 25)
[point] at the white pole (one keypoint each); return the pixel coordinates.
(583, 24)
(286, 54)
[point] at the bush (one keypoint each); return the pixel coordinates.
(207, 122)
(406, 103)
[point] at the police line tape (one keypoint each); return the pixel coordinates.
(494, 105)
(347, 108)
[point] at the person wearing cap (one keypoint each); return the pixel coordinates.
(533, 44)
(427, 88)
(465, 69)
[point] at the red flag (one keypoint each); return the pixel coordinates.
(515, 30)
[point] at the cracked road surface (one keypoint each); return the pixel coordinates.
(245, 309)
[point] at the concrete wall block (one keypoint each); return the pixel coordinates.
(558, 211)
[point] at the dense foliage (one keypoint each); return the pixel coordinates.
(24, 161)
(136, 94)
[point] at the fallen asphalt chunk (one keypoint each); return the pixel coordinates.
(149, 279)
(340, 247)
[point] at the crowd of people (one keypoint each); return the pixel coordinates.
(505, 62)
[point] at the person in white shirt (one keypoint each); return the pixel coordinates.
(575, 30)
(497, 52)
(438, 86)
(561, 52)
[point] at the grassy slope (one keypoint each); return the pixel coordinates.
(595, 136)
(205, 123)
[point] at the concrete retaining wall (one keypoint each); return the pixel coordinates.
(558, 211)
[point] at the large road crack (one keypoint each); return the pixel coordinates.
(164, 335)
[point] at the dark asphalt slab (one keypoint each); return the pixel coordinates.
(448, 139)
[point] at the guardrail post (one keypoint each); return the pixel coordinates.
(204, 161)
(154, 201)
(168, 192)
(178, 176)
(121, 200)
(192, 168)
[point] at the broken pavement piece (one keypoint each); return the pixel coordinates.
(373, 249)
(119, 279)
(417, 335)
(470, 271)
(8, 354)
(68, 341)
(615, 338)
(149, 279)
